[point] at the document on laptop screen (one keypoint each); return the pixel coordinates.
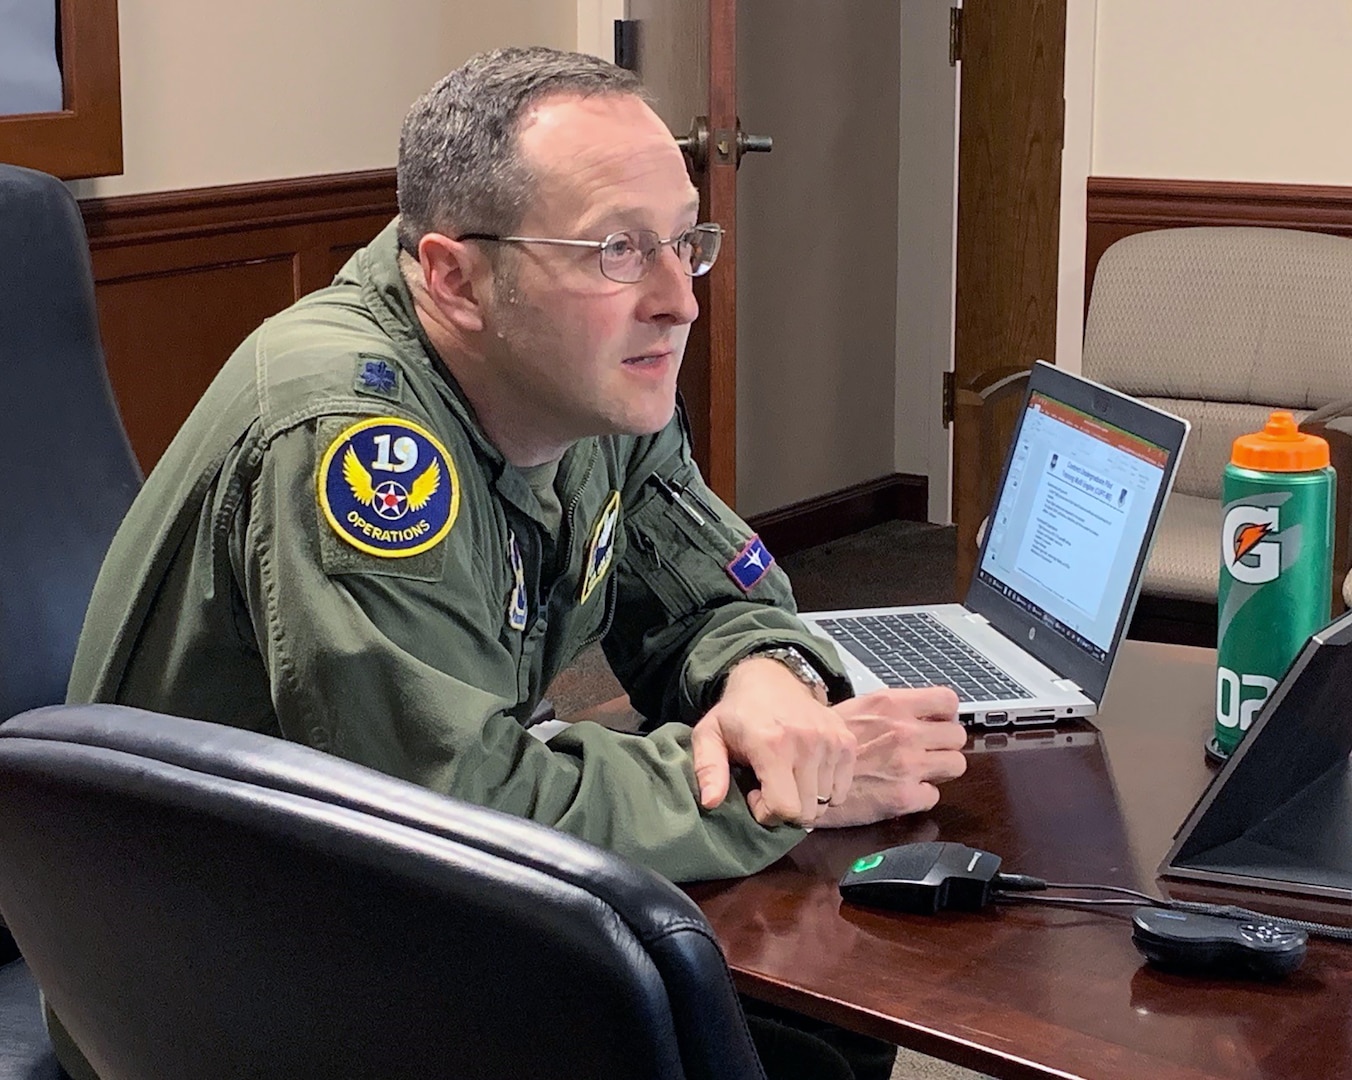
(1071, 520)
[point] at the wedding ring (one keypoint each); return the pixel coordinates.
(823, 802)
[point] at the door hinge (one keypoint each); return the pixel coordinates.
(626, 44)
(948, 398)
(954, 36)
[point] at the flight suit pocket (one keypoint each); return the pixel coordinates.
(685, 552)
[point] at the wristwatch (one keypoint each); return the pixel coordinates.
(802, 668)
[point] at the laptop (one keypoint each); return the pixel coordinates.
(1083, 486)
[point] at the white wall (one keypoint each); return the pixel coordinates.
(1076, 166)
(1248, 90)
(225, 93)
(1253, 90)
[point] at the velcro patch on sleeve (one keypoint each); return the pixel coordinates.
(388, 487)
(752, 563)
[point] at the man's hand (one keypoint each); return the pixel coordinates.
(801, 751)
(909, 741)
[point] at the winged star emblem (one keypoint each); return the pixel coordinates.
(389, 499)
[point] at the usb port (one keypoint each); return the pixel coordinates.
(995, 719)
(1035, 718)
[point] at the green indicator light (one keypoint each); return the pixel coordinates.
(868, 862)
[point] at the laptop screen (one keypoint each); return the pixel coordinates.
(1067, 532)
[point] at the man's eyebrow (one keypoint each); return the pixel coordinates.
(631, 217)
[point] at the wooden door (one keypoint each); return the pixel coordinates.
(1009, 201)
(687, 56)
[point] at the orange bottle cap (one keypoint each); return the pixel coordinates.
(1280, 447)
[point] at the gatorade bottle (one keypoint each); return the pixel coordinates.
(1276, 567)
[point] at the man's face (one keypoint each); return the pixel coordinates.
(576, 354)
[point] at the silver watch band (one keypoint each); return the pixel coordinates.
(802, 668)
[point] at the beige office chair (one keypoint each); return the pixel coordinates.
(1220, 326)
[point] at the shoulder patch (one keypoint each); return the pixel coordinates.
(752, 563)
(388, 487)
(376, 376)
(600, 547)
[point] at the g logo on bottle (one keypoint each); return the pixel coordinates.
(1249, 545)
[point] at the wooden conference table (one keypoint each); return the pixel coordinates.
(1033, 990)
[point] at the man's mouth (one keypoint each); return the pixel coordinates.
(648, 358)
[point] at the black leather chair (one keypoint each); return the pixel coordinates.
(67, 479)
(204, 902)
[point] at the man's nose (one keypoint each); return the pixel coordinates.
(669, 293)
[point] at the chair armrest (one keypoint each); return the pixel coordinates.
(992, 385)
(1334, 425)
(983, 397)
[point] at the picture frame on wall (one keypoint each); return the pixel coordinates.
(72, 128)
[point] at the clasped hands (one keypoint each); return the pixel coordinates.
(872, 757)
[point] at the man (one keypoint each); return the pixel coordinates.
(412, 498)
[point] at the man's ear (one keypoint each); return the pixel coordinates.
(456, 275)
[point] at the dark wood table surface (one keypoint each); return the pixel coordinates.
(1033, 990)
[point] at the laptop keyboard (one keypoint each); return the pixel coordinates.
(913, 648)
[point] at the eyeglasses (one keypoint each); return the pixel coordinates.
(628, 255)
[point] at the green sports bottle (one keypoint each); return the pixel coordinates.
(1276, 567)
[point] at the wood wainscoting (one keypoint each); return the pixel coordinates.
(837, 514)
(1119, 206)
(182, 277)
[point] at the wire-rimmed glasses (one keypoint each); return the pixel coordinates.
(627, 256)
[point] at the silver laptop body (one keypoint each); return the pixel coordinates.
(1083, 487)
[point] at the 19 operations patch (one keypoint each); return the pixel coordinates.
(389, 488)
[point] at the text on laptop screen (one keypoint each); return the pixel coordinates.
(1071, 520)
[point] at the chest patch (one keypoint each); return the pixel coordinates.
(516, 603)
(388, 487)
(600, 547)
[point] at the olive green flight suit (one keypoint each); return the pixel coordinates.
(229, 595)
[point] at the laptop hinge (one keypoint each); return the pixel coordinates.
(975, 617)
(1069, 685)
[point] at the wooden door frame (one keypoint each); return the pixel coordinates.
(977, 453)
(687, 54)
(709, 373)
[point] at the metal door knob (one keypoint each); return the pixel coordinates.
(728, 146)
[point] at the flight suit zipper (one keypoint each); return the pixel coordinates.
(577, 497)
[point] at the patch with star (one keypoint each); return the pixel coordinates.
(388, 487)
(752, 563)
(600, 547)
(378, 377)
(516, 604)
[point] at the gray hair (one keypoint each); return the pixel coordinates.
(459, 165)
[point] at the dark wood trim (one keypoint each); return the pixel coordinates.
(1121, 206)
(1175, 621)
(204, 267)
(85, 138)
(819, 520)
(198, 213)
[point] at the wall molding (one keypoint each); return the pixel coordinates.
(819, 520)
(1121, 206)
(210, 211)
(181, 277)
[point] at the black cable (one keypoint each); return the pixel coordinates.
(1028, 883)
(1014, 887)
(1068, 901)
